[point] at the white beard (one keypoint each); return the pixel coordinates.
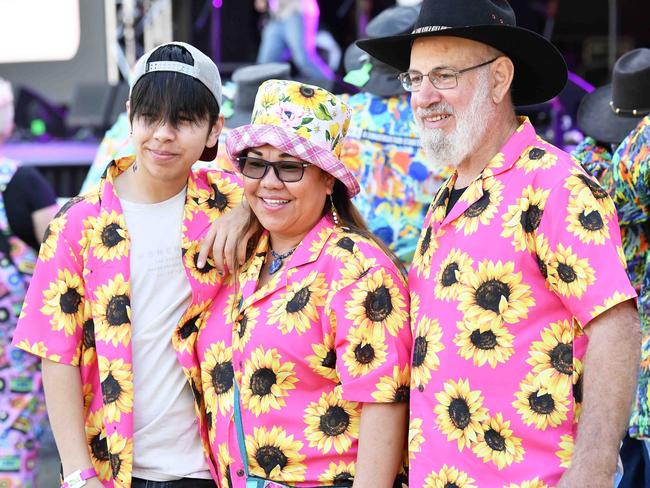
(450, 150)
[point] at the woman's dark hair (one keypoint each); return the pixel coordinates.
(350, 217)
(171, 97)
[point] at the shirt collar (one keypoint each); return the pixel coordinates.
(512, 150)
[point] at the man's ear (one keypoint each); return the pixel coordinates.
(215, 131)
(503, 72)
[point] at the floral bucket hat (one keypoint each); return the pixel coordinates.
(305, 121)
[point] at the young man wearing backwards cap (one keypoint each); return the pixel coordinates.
(117, 299)
(526, 337)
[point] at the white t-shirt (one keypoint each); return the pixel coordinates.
(166, 440)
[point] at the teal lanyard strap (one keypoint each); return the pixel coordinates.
(240, 428)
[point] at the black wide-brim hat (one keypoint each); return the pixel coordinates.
(540, 70)
(629, 93)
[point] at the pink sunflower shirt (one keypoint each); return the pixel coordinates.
(328, 333)
(78, 310)
(501, 290)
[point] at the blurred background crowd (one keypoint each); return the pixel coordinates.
(65, 69)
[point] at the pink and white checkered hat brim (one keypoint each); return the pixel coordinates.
(255, 135)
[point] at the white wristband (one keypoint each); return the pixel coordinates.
(78, 478)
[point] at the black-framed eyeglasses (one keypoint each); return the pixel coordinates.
(286, 171)
(442, 79)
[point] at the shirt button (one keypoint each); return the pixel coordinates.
(240, 472)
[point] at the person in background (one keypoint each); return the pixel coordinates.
(626, 180)
(631, 176)
(307, 385)
(382, 148)
(27, 205)
(526, 334)
(292, 25)
(117, 298)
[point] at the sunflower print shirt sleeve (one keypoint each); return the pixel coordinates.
(578, 247)
(372, 336)
(52, 319)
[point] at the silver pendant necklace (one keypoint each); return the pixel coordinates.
(278, 260)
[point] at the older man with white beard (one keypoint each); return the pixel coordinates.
(526, 336)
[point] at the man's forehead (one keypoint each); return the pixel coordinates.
(444, 51)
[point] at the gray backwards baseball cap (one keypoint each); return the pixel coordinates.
(203, 70)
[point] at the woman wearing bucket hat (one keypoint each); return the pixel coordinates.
(318, 334)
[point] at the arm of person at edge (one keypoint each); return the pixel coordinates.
(227, 239)
(62, 384)
(41, 219)
(610, 376)
(382, 438)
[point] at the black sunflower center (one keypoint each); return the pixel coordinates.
(542, 266)
(307, 91)
(378, 304)
(449, 275)
(442, 198)
(47, 234)
(89, 334)
(566, 273)
(459, 413)
(99, 447)
(117, 311)
(222, 376)
(346, 243)
(426, 242)
(364, 353)
(116, 464)
(420, 351)
(189, 328)
(562, 358)
(111, 389)
(241, 326)
(531, 218)
(577, 390)
(592, 221)
(334, 421)
(70, 301)
(489, 294)
(207, 267)
(483, 340)
(536, 153)
(495, 440)
(262, 380)
(329, 361)
(299, 300)
(401, 480)
(268, 457)
(402, 394)
(479, 206)
(218, 200)
(541, 404)
(596, 190)
(343, 478)
(111, 236)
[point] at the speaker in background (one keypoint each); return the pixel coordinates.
(36, 117)
(121, 95)
(90, 107)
